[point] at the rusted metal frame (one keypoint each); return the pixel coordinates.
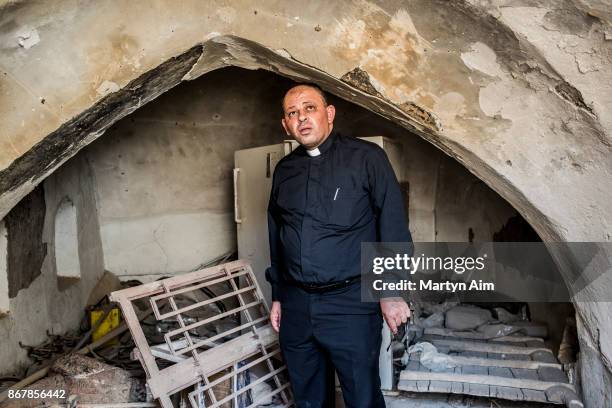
(159, 316)
(178, 282)
(221, 335)
(259, 295)
(168, 336)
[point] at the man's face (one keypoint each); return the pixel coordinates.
(306, 118)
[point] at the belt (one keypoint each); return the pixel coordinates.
(324, 287)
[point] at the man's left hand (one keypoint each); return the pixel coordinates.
(395, 311)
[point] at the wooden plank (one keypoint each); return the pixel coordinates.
(490, 362)
(486, 380)
(525, 373)
(457, 387)
(131, 319)
(544, 356)
(536, 344)
(552, 374)
(466, 345)
(440, 386)
(155, 288)
(439, 331)
(423, 385)
(519, 339)
(479, 389)
(178, 376)
(533, 395)
(509, 393)
(411, 386)
(500, 372)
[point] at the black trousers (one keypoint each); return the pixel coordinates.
(332, 330)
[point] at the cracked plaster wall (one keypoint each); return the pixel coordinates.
(50, 303)
(163, 175)
(519, 88)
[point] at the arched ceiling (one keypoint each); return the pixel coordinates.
(517, 91)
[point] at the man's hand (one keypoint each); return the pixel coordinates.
(275, 316)
(395, 311)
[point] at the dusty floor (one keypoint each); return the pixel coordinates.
(454, 401)
(414, 400)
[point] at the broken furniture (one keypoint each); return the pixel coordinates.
(509, 362)
(209, 371)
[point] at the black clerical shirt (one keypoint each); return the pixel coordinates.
(322, 208)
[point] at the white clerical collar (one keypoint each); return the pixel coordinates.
(314, 152)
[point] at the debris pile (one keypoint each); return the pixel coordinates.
(486, 350)
(199, 339)
(82, 379)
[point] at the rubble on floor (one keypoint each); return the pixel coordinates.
(469, 350)
(201, 338)
(86, 380)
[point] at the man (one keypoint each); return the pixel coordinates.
(329, 195)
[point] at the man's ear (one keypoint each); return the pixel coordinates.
(331, 113)
(285, 127)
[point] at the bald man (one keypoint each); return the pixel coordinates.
(328, 196)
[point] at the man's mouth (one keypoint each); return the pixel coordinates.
(305, 130)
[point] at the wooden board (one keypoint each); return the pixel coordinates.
(201, 365)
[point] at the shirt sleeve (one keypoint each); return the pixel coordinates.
(273, 273)
(389, 208)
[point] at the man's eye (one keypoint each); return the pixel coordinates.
(292, 113)
(310, 108)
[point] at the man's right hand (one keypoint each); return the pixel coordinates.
(275, 316)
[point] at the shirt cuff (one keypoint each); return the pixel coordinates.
(276, 292)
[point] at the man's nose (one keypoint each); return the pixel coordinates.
(302, 116)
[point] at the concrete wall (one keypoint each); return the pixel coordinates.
(447, 201)
(48, 302)
(164, 174)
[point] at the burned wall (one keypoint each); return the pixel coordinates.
(45, 301)
(26, 249)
